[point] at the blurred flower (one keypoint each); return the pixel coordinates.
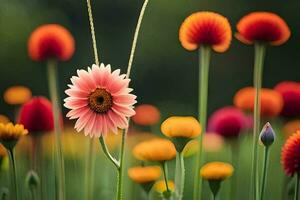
(271, 101)
(205, 28)
(4, 119)
(155, 150)
(51, 41)
(228, 122)
(290, 92)
(160, 186)
(262, 27)
(181, 130)
(144, 174)
(3, 152)
(100, 100)
(36, 115)
(291, 127)
(17, 95)
(10, 134)
(146, 115)
(290, 157)
(182, 127)
(216, 171)
(267, 135)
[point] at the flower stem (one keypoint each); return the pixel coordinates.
(180, 175)
(59, 161)
(89, 170)
(107, 153)
(92, 31)
(296, 197)
(234, 147)
(264, 173)
(135, 38)
(258, 71)
(165, 171)
(121, 167)
(204, 59)
(13, 176)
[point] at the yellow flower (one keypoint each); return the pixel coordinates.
(160, 186)
(144, 174)
(11, 132)
(4, 119)
(155, 150)
(216, 171)
(291, 127)
(17, 95)
(181, 127)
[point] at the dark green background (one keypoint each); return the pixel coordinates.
(163, 73)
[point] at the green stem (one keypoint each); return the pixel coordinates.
(121, 168)
(204, 59)
(258, 71)
(264, 173)
(165, 171)
(182, 179)
(89, 170)
(235, 162)
(33, 193)
(213, 197)
(13, 176)
(93, 31)
(59, 161)
(107, 153)
(296, 197)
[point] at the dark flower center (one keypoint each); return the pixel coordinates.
(100, 101)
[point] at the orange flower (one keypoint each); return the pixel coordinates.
(160, 186)
(51, 41)
(146, 115)
(216, 171)
(271, 101)
(155, 150)
(144, 174)
(263, 27)
(205, 28)
(290, 157)
(291, 127)
(3, 151)
(4, 119)
(17, 95)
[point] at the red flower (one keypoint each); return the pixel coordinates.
(290, 156)
(51, 41)
(146, 115)
(205, 28)
(36, 115)
(290, 92)
(227, 121)
(262, 27)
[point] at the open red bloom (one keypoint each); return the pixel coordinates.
(51, 41)
(271, 101)
(290, 156)
(228, 122)
(36, 115)
(205, 28)
(146, 115)
(262, 27)
(290, 92)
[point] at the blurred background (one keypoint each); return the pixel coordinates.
(164, 74)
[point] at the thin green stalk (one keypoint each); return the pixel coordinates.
(165, 171)
(180, 175)
(121, 168)
(107, 153)
(258, 71)
(204, 59)
(89, 170)
(59, 161)
(213, 197)
(13, 176)
(33, 193)
(93, 31)
(296, 197)
(234, 146)
(264, 173)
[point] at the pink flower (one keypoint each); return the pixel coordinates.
(228, 122)
(100, 100)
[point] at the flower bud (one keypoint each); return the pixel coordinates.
(267, 135)
(32, 179)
